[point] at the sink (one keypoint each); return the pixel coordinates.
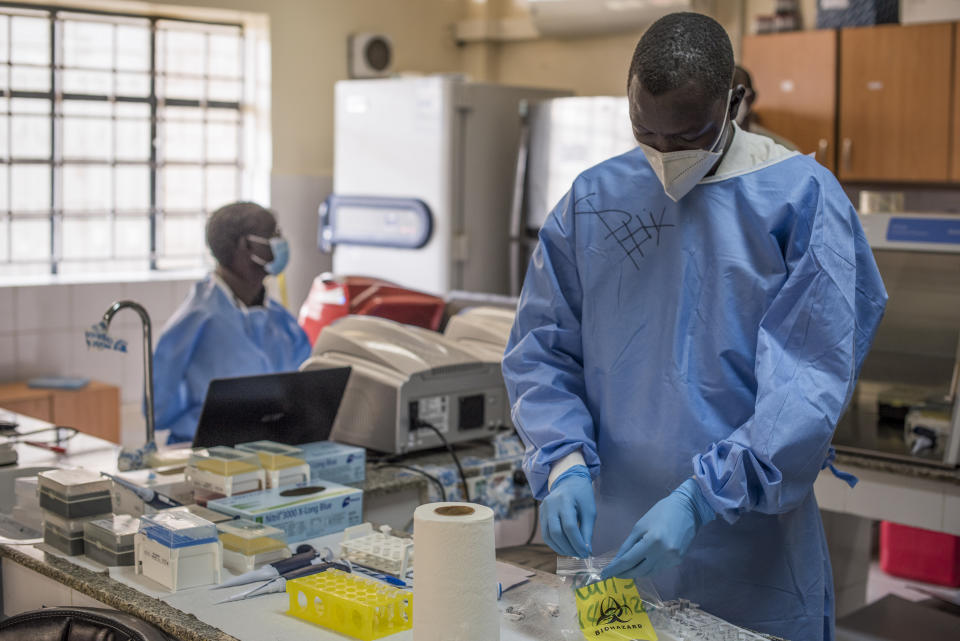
(12, 532)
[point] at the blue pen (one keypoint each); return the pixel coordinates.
(386, 578)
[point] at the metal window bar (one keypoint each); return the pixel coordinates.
(57, 66)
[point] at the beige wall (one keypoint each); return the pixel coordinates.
(309, 54)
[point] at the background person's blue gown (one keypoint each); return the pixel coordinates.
(718, 337)
(210, 336)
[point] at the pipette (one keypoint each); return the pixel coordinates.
(279, 584)
(281, 567)
(150, 497)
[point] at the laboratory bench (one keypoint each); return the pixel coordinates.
(33, 575)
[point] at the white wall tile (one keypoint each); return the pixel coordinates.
(132, 383)
(132, 424)
(8, 357)
(156, 297)
(42, 308)
(88, 302)
(45, 353)
(99, 365)
(7, 308)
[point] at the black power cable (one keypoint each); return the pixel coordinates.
(418, 423)
(536, 522)
(431, 477)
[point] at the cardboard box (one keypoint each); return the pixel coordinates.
(836, 14)
(335, 462)
(915, 11)
(303, 512)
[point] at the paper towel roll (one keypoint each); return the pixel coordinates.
(455, 574)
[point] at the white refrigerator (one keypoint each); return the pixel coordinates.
(423, 181)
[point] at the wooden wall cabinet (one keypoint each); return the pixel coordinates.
(795, 77)
(955, 161)
(93, 410)
(895, 92)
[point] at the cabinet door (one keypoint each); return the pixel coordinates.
(795, 77)
(895, 85)
(955, 120)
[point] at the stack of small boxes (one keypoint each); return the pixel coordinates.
(224, 471)
(248, 545)
(283, 464)
(70, 498)
(110, 540)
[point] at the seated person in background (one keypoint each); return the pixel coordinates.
(745, 116)
(227, 326)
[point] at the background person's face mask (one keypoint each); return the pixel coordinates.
(680, 171)
(281, 253)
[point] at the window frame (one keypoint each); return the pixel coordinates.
(155, 162)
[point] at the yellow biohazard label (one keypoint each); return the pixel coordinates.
(612, 610)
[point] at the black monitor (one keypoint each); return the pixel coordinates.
(291, 407)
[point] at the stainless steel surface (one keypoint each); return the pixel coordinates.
(147, 355)
(914, 356)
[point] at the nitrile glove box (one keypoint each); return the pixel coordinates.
(335, 462)
(303, 512)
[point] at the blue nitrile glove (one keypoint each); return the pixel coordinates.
(568, 513)
(662, 535)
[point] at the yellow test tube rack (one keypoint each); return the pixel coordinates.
(357, 606)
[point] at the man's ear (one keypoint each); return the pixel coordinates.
(738, 95)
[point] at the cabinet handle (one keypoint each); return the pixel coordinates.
(845, 153)
(822, 146)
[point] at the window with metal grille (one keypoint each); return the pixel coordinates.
(118, 135)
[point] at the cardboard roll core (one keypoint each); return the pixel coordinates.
(454, 510)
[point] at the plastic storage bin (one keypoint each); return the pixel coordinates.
(110, 541)
(226, 471)
(353, 605)
(921, 555)
(247, 544)
(74, 493)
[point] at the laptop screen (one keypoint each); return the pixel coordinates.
(290, 407)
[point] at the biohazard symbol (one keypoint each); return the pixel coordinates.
(613, 611)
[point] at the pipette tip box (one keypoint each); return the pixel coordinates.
(283, 464)
(110, 540)
(378, 550)
(74, 493)
(178, 550)
(302, 512)
(335, 462)
(247, 544)
(226, 471)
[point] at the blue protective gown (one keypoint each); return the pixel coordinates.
(212, 336)
(720, 337)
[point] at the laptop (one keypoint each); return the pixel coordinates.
(290, 407)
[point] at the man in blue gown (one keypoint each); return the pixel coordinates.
(227, 326)
(691, 327)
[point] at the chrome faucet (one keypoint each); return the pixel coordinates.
(147, 355)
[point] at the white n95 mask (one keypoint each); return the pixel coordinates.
(680, 171)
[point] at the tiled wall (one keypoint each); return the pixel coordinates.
(42, 333)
